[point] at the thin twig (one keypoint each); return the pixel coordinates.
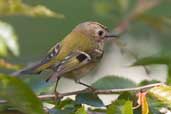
(109, 91)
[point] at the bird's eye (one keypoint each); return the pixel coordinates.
(100, 33)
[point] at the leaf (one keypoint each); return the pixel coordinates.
(89, 99)
(154, 105)
(8, 39)
(127, 108)
(81, 111)
(17, 7)
(3, 48)
(19, 95)
(120, 107)
(7, 65)
(162, 93)
(40, 10)
(146, 82)
(54, 111)
(113, 82)
(153, 60)
(164, 59)
(67, 106)
(96, 111)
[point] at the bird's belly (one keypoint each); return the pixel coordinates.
(81, 72)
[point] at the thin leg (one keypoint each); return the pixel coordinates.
(56, 85)
(88, 86)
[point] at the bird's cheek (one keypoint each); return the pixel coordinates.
(99, 39)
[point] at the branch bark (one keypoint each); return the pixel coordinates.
(98, 91)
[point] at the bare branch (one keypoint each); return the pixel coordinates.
(87, 90)
(109, 91)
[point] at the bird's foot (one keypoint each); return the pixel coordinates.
(57, 96)
(86, 85)
(92, 88)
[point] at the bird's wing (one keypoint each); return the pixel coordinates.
(53, 52)
(73, 61)
(37, 67)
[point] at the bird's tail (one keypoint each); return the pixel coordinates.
(30, 69)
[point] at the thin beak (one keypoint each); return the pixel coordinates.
(112, 35)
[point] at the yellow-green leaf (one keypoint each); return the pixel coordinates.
(127, 108)
(6, 65)
(81, 111)
(162, 93)
(17, 7)
(8, 40)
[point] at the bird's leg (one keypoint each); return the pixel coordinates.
(56, 85)
(86, 85)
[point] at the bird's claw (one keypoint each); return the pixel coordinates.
(57, 96)
(92, 88)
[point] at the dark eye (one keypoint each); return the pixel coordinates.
(100, 33)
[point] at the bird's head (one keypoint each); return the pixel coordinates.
(95, 31)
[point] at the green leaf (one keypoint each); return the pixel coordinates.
(97, 110)
(3, 48)
(163, 59)
(54, 111)
(89, 99)
(153, 60)
(120, 107)
(146, 82)
(154, 105)
(66, 106)
(40, 10)
(113, 82)
(17, 7)
(127, 108)
(126, 96)
(8, 40)
(162, 93)
(81, 111)
(19, 95)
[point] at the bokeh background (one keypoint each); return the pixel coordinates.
(146, 35)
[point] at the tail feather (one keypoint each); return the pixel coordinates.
(30, 69)
(53, 76)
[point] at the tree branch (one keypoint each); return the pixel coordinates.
(98, 91)
(108, 91)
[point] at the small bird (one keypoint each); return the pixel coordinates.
(76, 55)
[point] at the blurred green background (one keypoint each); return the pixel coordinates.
(146, 33)
(141, 53)
(37, 35)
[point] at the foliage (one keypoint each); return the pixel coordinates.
(25, 100)
(17, 7)
(8, 40)
(144, 17)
